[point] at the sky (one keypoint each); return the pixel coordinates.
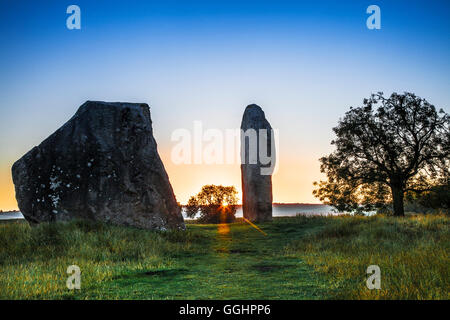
(305, 63)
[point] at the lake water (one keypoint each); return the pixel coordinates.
(10, 215)
(291, 210)
(279, 210)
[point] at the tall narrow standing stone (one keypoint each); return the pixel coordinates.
(101, 165)
(257, 163)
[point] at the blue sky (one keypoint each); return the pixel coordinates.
(304, 62)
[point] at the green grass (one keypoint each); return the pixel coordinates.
(300, 258)
(412, 254)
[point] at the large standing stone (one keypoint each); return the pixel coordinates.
(101, 165)
(256, 171)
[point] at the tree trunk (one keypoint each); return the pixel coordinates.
(397, 197)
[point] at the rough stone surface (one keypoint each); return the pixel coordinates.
(101, 165)
(256, 187)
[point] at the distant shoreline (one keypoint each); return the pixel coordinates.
(298, 204)
(285, 204)
(238, 205)
(279, 210)
(9, 212)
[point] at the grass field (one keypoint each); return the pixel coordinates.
(299, 258)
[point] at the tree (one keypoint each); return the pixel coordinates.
(216, 204)
(383, 149)
(436, 197)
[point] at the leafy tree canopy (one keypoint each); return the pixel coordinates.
(216, 204)
(383, 149)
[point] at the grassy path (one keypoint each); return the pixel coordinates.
(232, 261)
(299, 258)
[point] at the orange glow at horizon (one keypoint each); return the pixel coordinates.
(291, 183)
(7, 193)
